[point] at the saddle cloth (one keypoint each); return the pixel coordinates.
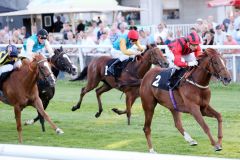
(164, 81)
(118, 67)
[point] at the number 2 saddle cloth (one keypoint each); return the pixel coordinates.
(165, 80)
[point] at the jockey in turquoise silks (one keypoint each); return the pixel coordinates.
(122, 45)
(9, 59)
(36, 44)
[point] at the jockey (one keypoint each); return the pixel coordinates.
(35, 44)
(185, 51)
(121, 46)
(9, 59)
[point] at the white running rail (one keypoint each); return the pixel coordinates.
(60, 153)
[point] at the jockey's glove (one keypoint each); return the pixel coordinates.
(192, 63)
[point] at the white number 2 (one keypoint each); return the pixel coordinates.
(156, 82)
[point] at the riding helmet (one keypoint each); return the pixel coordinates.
(133, 34)
(12, 50)
(193, 38)
(42, 33)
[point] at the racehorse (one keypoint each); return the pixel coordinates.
(192, 96)
(58, 62)
(128, 82)
(25, 91)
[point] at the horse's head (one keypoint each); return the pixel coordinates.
(44, 70)
(156, 56)
(215, 65)
(61, 61)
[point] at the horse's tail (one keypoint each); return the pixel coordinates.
(82, 75)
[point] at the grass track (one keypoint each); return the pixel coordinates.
(110, 131)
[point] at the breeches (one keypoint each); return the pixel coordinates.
(118, 54)
(6, 68)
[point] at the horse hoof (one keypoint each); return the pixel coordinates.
(59, 131)
(29, 122)
(74, 108)
(193, 143)
(218, 148)
(97, 114)
(152, 151)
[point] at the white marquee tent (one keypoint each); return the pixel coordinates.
(70, 6)
(38, 7)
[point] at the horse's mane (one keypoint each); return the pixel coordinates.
(149, 46)
(208, 52)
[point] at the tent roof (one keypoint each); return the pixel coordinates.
(215, 3)
(70, 6)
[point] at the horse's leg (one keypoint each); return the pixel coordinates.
(130, 99)
(17, 112)
(90, 86)
(178, 124)
(129, 102)
(210, 112)
(148, 107)
(195, 111)
(38, 104)
(99, 91)
(39, 117)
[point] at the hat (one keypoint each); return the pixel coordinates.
(200, 19)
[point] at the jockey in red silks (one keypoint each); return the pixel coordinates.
(185, 51)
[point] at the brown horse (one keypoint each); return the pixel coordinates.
(128, 82)
(192, 96)
(25, 91)
(58, 62)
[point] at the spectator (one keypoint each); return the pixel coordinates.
(99, 21)
(104, 40)
(58, 25)
(219, 36)
(100, 31)
(114, 33)
(24, 34)
(143, 39)
(51, 39)
(66, 28)
(162, 32)
(208, 39)
(80, 26)
(230, 41)
(87, 40)
(169, 38)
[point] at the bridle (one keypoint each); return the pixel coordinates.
(215, 74)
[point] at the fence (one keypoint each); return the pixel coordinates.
(81, 58)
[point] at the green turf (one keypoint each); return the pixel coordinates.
(111, 132)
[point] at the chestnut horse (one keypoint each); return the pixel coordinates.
(128, 82)
(25, 91)
(192, 96)
(58, 62)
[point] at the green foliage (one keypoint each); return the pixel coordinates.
(111, 132)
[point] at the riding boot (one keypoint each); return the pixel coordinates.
(111, 69)
(172, 76)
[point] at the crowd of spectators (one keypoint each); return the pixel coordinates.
(97, 32)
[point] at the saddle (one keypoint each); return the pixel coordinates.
(165, 80)
(118, 67)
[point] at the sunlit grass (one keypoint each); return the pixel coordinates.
(111, 132)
